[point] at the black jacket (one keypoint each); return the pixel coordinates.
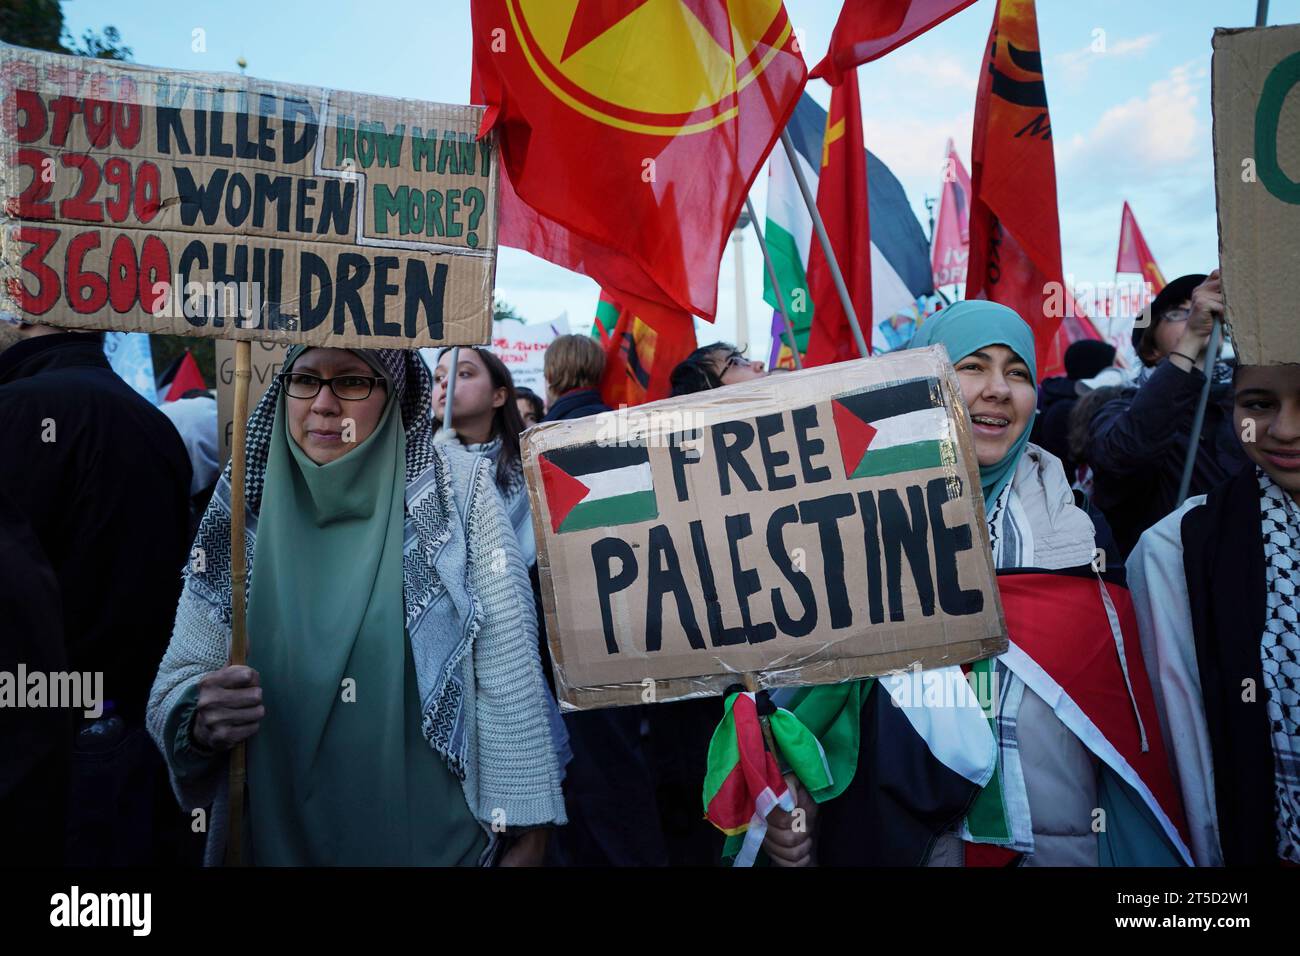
(1223, 559)
(576, 404)
(1139, 444)
(103, 480)
(1056, 400)
(633, 799)
(37, 741)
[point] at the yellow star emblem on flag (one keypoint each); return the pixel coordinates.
(661, 67)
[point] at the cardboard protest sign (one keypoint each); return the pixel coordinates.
(266, 359)
(523, 349)
(1256, 92)
(812, 527)
(140, 199)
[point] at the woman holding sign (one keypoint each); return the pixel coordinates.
(1080, 776)
(393, 705)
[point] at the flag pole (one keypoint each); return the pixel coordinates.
(776, 286)
(451, 385)
(238, 577)
(820, 228)
(1211, 354)
(1198, 422)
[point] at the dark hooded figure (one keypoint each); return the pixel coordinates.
(103, 481)
(1057, 396)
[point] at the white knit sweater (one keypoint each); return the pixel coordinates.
(512, 775)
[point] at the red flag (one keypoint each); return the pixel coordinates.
(630, 133)
(952, 229)
(868, 29)
(842, 201)
(187, 377)
(641, 353)
(1134, 254)
(1015, 235)
(1074, 642)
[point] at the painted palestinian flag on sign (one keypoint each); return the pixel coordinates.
(598, 486)
(899, 426)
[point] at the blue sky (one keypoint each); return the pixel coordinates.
(1131, 122)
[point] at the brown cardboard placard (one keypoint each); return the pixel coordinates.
(1256, 92)
(149, 200)
(810, 527)
(267, 357)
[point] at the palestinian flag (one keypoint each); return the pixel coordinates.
(900, 426)
(598, 486)
(891, 762)
(1074, 642)
(900, 253)
(919, 751)
(743, 783)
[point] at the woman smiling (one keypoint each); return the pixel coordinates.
(393, 704)
(1051, 773)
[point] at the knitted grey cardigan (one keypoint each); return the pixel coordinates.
(507, 765)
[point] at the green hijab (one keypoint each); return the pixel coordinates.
(968, 326)
(337, 770)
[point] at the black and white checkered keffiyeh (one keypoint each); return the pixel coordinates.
(1280, 654)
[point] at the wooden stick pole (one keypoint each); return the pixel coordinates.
(819, 227)
(238, 576)
(751, 685)
(451, 386)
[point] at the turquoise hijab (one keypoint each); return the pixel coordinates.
(966, 327)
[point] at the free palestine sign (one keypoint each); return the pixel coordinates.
(809, 527)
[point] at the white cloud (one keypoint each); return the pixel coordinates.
(943, 73)
(1077, 63)
(913, 146)
(1156, 132)
(1154, 150)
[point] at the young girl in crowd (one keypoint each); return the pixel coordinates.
(377, 560)
(486, 421)
(1215, 585)
(531, 407)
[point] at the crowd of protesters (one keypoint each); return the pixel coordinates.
(398, 565)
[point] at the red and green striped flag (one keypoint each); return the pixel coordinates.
(743, 783)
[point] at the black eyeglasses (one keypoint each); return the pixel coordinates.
(736, 358)
(349, 388)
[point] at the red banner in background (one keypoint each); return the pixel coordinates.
(868, 29)
(641, 352)
(950, 250)
(1015, 233)
(842, 202)
(630, 133)
(1134, 253)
